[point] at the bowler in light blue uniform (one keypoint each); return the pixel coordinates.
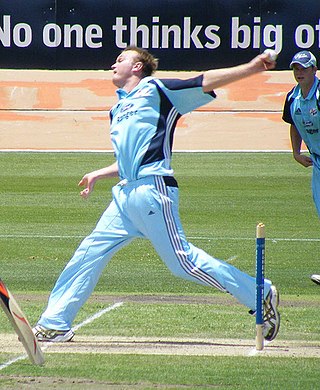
(146, 199)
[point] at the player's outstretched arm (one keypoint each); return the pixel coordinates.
(88, 181)
(216, 78)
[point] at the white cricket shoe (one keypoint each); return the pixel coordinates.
(271, 317)
(51, 335)
(315, 278)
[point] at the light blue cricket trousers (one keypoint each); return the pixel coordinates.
(146, 208)
(315, 183)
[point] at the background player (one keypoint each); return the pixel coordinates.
(302, 112)
(145, 201)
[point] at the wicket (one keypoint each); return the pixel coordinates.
(260, 262)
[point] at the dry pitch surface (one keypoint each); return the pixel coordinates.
(150, 346)
(168, 346)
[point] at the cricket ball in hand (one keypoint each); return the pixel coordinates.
(272, 54)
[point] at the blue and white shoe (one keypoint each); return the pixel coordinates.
(271, 315)
(51, 335)
(315, 278)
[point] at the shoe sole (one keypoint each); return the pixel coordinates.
(59, 339)
(274, 303)
(63, 338)
(315, 279)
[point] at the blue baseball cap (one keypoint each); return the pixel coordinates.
(304, 58)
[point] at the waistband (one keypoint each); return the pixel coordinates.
(169, 181)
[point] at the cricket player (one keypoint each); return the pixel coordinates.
(302, 111)
(146, 200)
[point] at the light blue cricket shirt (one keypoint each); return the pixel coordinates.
(144, 120)
(304, 113)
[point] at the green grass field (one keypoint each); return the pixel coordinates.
(223, 197)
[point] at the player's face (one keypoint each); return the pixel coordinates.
(123, 67)
(304, 76)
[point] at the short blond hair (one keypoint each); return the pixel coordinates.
(149, 62)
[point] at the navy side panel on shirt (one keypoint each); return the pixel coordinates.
(286, 115)
(168, 116)
(165, 128)
(175, 84)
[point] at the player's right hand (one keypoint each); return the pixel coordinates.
(263, 62)
(304, 160)
(87, 181)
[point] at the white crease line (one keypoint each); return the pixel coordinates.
(7, 364)
(75, 328)
(253, 238)
(254, 352)
(232, 258)
(89, 320)
(97, 315)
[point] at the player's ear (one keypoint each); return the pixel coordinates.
(138, 66)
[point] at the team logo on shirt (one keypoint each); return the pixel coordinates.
(143, 92)
(312, 131)
(126, 107)
(313, 111)
(126, 112)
